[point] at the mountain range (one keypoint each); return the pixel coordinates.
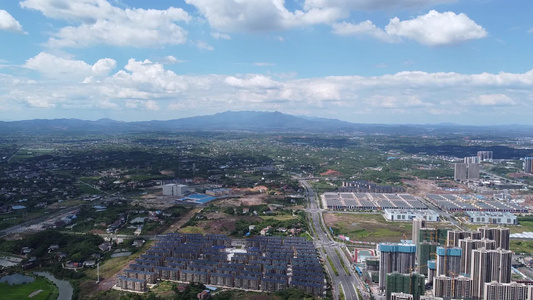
(253, 121)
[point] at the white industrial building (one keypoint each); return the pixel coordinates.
(486, 217)
(172, 189)
(408, 215)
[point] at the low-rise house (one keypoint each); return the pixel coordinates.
(138, 243)
(53, 247)
(89, 263)
(105, 246)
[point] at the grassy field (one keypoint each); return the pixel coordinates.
(191, 229)
(367, 227)
(29, 153)
(524, 224)
(22, 291)
(111, 266)
(278, 217)
(521, 246)
(164, 290)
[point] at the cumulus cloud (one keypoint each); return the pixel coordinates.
(143, 85)
(252, 81)
(261, 15)
(8, 23)
(436, 29)
(52, 66)
(372, 4)
(98, 22)
(432, 29)
(365, 28)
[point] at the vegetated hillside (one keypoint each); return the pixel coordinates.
(256, 121)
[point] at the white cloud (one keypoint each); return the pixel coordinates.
(220, 36)
(106, 104)
(170, 60)
(52, 66)
(395, 101)
(372, 4)
(363, 28)
(436, 29)
(530, 30)
(101, 23)
(8, 23)
(204, 46)
(432, 29)
(148, 86)
(263, 64)
(261, 15)
(151, 105)
(252, 81)
(103, 66)
(493, 100)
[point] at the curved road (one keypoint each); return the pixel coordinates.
(324, 242)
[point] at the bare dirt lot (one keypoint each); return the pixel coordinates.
(245, 200)
(421, 187)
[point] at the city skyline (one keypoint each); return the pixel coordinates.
(358, 61)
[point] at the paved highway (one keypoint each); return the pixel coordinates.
(324, 242)
(24, 226)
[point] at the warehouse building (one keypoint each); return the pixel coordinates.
(408, 215)
(486, 217)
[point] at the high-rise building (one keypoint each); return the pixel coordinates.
(499, 234)
(459, 172)
(448, 261)
(485, 155)
(425, 251)
(432, 270)
(506, 291)
(417, 224)
(412, 283)
(487, 266)
(462, 287)
(471, 160)
(469, 170)
(528, 164)
(501, 265)
(395, 258)
(442, 286)
(173, 189)
(452, 288)
(467, 245)
(455, 235)
(438, 235)
(473, 172)
(480, 272)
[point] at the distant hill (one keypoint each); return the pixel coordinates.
(251, 121)
(254, 121)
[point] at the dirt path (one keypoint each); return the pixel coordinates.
(108, 283)
(177, 225)
(34, 293)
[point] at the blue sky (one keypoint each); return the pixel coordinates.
(368, 61)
